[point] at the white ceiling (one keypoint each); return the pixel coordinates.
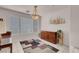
(41, 8)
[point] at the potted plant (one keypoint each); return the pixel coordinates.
(60, 36)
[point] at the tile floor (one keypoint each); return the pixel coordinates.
(17, 48)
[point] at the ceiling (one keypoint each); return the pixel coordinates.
(41, 8)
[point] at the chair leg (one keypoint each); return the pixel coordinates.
(11, 48)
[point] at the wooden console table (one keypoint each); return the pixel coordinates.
(49, 36)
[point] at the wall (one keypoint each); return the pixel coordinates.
(17, 22)
(7, 15)
(70, 14)
(74, 37)
(64, 13)
(3, 23)
(45, 25)
(2, 27)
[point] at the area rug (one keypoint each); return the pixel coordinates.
(37, 46)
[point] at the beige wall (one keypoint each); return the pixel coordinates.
(2, 27)
(74, 37)
(64, 13)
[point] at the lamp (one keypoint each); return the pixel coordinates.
(35, 15)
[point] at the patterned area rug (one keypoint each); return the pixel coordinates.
(37, 46)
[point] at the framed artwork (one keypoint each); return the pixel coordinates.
(57, 20)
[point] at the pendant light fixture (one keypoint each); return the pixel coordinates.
(35, 15)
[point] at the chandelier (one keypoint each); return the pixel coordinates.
(35, 15)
